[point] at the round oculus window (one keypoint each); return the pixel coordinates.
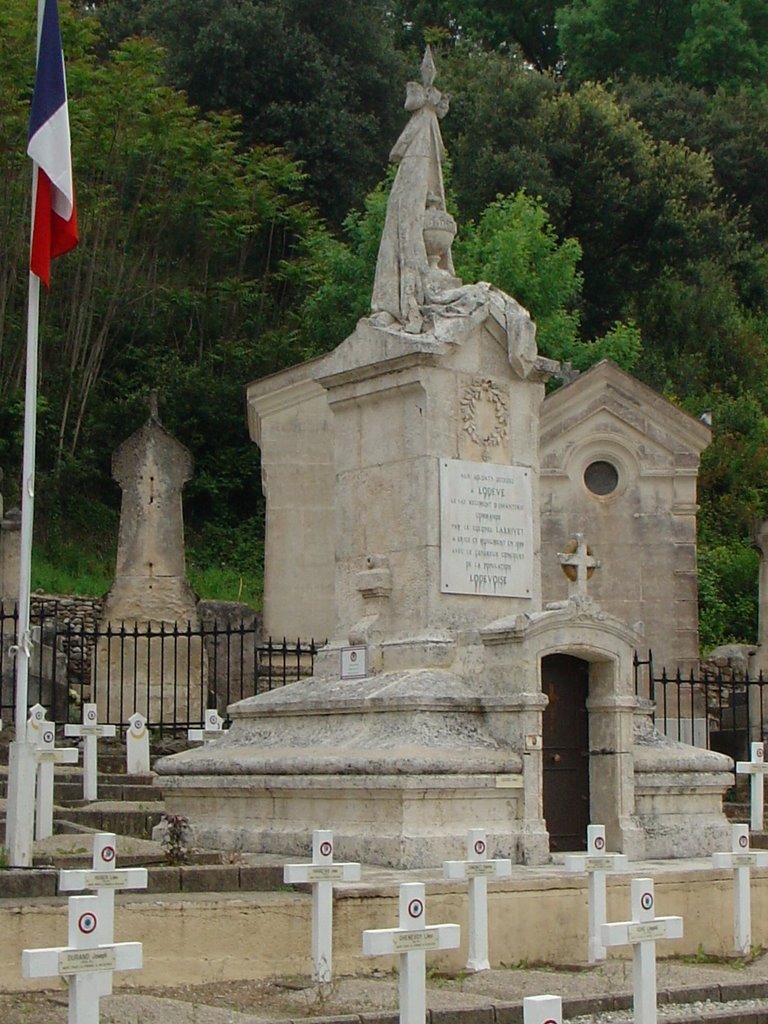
(601, 477)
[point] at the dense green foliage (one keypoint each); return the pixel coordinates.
(608, 162)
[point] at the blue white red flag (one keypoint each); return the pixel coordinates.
(54, 227)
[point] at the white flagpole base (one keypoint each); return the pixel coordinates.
(20, 811)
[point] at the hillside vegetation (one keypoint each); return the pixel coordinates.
(608, 168)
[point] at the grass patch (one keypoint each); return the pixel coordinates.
(224, 583)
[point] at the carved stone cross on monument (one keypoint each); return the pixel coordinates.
(741, 859)
(597, 863)
(321, 874)
(411, 940)
(90, 730)
(478, 869)
(642, 933)
(578, 565)
(757, 769)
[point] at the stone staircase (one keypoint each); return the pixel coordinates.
(130, 806)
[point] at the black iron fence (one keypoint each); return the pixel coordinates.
(170, 673)
(716, 711)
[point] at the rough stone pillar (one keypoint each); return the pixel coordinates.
(162, 678)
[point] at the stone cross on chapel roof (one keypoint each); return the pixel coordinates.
(578, 564)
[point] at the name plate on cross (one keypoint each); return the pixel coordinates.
(429, 938)
(486, 537)
(80, 961)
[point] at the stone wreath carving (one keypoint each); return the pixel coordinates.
(482, 391)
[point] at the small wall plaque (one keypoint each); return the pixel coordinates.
(354, 662)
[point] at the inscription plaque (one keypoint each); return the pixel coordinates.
(486, 533)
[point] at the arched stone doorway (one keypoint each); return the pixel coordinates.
(565, 741)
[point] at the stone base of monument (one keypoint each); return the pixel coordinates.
(678, 794)
(400, 764)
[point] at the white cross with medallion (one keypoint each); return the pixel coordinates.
(85, 961)
(642, 934)
(597, 864)
(478, 868)
(213, 727)
(741, 859)
(47, 757)
(91, 732)
(756, 768)
(321, 874)
(137, 745)
(411, 940)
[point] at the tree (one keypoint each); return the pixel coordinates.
(710, 43)
(603, 39)
(323, 81)
(527, 26)
(181, 279)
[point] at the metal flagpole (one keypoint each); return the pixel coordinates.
(19, 829)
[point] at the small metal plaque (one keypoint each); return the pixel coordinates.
(354, 662)
(424, 938)
(647, 930)
(80, 961)
(744, 860)
(325, 873)
(91, 730)
(481, 869)
(598, 864)
(509, 782)
(105, 880)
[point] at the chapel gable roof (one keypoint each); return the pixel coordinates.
(607, 388)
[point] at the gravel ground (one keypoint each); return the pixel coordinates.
(295, 998)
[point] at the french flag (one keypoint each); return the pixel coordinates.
(54, 228)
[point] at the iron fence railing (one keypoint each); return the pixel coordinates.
(171, 673)
(708, 710)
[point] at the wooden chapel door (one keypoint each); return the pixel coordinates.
(565, 742)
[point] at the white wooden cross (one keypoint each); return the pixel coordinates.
(641, 933)
(741, 859)
(757, 768)
(542, 1010)
(411, 940)
(84, 961)
(137, 745)
(35, 721)
(47, 757)
(91, 731)
(597, 863)
(213, 727)
(104, 877)
(582, 562)
(321, 874)
(478, 869)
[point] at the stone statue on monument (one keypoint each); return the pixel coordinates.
(415, 287)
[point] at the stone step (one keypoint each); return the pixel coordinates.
(71, 793)
(68, 786)
(126, 819)
(24, 883)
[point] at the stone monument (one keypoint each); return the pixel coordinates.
(440, 701)
(150, 592)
